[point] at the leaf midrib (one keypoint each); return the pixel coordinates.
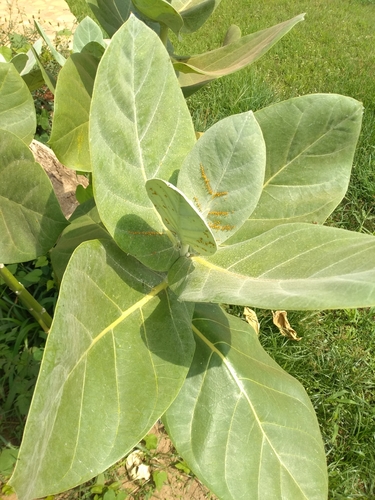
(231, 370)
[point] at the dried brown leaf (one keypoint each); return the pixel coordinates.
(281, 321)
(252, 319)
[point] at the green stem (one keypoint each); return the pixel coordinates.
(164, 33)
(33, 306)
(184, 250)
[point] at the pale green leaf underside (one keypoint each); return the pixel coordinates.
(30, 216)
(70, 129)
(87, 31)
(310, 143)
(224, 173)
(181, 217)
(139, 139)
(293, 266)
(243, 425)
(17, 111)
(235, 55)
(115, 359)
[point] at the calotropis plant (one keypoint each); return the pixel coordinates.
(77, 76)
(176, 227)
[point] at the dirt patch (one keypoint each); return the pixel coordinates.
(178, 484)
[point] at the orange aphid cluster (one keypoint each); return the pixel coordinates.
(219, 227)
(216, 224)
(208, 185)
(197, 204)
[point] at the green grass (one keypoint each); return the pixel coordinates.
(21, 347)
(335, 363)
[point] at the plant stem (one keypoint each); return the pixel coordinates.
(164, 33)
(184, 250)
(33, 306)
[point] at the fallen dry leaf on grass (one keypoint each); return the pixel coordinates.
(252, 319)
(281, 321)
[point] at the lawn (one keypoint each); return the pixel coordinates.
(331, 51)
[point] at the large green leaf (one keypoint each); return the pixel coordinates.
(116, 357)
(87, 31)
(194, 12)
(30, 215)
(85, 225)
(235, 55)
(162, 12)
(310, 143)
(17, 111)
(243, 425)
(147, 134)
(111, 14)
(292, 266)
(70, 128)
(224, 173)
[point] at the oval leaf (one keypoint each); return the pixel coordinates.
(17, 111)
(140, 139)
(243, 425)
(224, 173)
(116, 357)
(70, 137)
(310, 143)
(87, 31)
(293, 266)
(30, 215)
(180, 216)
